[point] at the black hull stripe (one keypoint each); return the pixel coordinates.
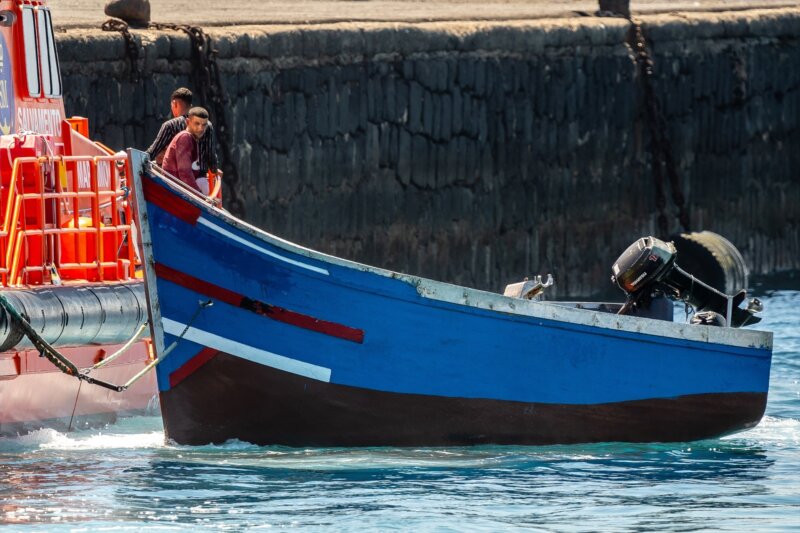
(232, 398)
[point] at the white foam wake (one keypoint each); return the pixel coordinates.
(103, 441)
(772, 430)
(134, 433)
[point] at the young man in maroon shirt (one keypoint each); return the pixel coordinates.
(182, 156)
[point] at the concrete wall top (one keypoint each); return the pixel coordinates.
(205, 13)
(353, 42)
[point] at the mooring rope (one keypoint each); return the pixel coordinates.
(68, 367)
(122, 350)
(46, 349)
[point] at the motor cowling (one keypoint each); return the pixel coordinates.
(649, 268)
(643, 263)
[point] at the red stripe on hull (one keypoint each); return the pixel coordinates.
(192, 365)
(232, 398)
(198, 285)
(260, 308)
(171, 203)
(308, 322)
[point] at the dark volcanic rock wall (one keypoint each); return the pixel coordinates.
(481, 153)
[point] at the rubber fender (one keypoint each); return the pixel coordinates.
(43, 310)
(123, 310)
(75, 316)
(713, 259)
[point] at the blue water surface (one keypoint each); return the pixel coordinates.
(125, 478)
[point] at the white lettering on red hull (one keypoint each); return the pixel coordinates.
(41, 120)
(103, 174)
(85, 174)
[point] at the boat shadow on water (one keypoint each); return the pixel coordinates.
(312, 484)
(607, 461)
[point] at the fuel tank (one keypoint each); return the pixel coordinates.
(75, 316)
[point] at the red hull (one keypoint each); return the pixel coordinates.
(34, 395)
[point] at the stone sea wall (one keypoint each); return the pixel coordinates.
(479, 153)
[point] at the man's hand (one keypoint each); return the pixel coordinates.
(216, 201)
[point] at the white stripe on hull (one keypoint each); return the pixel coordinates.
(245, 351)
(233, 236)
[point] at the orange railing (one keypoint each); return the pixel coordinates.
(64, 229)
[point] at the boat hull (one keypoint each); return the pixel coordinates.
(35, 395)
(264, 341)
(268, 406)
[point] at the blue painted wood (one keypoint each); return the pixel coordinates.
(423, 345)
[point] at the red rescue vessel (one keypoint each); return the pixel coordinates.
(67, 250)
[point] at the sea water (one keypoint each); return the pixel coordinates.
(125, 478)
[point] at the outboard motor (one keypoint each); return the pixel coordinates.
(648, 268)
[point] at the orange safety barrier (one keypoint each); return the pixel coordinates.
(66, 217)
(79, 124)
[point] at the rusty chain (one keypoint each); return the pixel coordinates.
(131, 48)
(660, 146)
(207, 84)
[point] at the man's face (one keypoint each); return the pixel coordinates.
(197, 126)
(178, 107)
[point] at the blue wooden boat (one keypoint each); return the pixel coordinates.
(265, 341)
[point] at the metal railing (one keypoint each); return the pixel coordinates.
(45, 228)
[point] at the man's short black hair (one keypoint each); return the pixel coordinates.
(199, 112)
(183, 94)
